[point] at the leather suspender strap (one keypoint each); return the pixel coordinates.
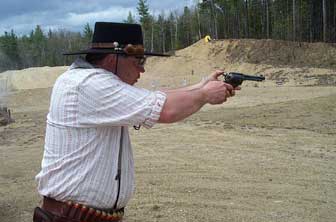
(118, 176)
(116, 68)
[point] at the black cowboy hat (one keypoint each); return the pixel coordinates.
(116, 38)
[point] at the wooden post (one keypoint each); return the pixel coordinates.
(5, 116)
(324, 21)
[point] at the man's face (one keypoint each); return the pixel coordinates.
(129, 68)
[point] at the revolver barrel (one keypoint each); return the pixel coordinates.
(236, 79)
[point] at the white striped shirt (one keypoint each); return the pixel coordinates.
(88, 108)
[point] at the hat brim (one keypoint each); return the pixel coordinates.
(111, 51)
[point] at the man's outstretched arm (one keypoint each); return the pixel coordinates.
(181, 103)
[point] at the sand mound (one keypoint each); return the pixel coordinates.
(31, 78)
(280, 61)
(272, 52)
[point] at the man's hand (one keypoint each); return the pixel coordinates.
(212, 77)
(181, 103)
(217, 92)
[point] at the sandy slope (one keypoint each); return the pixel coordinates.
(279, 61)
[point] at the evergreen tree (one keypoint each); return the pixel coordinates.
(145, 21)
(161, 33)
(88, 33)
(171, 27)
(38, 46)
(9, 52)
(130, 18)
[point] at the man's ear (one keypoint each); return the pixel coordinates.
(111, 59)
(109, 62)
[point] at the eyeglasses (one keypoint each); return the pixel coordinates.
(138, 60)
(141, 60)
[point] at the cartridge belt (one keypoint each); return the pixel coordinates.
(78, 212)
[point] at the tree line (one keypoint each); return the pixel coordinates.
(291, 20)
(40, 49)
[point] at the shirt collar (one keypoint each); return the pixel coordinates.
(80, 63)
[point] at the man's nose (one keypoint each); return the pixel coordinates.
(142, 69)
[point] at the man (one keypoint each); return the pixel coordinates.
(87, 168)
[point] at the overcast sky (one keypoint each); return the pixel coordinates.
(23, 15)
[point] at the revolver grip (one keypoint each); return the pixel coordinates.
(234, 82)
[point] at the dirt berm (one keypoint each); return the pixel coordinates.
(290, 63)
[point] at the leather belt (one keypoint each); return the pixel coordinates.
(78, 212)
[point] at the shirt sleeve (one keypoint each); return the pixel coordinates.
(104, 100)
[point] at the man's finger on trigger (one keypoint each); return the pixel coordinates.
(230, 93)
(228, 86)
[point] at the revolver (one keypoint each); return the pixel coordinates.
(235, 79)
